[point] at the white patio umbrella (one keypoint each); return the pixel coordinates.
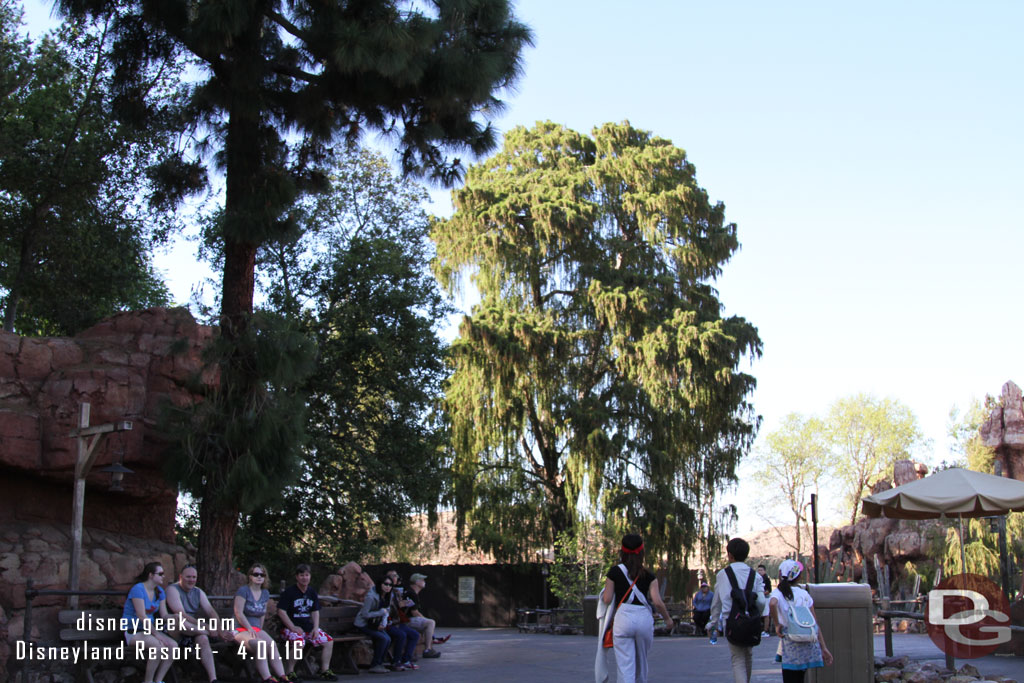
(950, 493)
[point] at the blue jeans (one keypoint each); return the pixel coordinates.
(405, 638)
(381, 640)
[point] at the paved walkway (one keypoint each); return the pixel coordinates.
(493, 655)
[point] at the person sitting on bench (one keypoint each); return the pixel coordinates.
(145, 601)
(299, 612)
(188, 600)
(417, 582)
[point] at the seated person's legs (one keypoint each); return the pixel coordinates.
(381, 641)
(399, 634)
(412, 637)
(425, 627)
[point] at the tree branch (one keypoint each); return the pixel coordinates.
(288, 26)
(294, 72)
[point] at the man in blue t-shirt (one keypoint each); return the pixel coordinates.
(299, 611)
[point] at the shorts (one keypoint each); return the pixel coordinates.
(321, 637)
(419, 623)
(130, 637)
(242, 634)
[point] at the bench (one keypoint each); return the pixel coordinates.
(682, 614)
(339, 621)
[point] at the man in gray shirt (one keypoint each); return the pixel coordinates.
(185, 598)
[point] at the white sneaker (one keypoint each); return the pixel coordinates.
(379, 669)
(765, 634)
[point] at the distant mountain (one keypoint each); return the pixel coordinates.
(780, 541)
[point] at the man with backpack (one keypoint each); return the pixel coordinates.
(737, 607)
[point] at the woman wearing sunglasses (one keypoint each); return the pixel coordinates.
(250, 608)
(146, 600)
(372, 620)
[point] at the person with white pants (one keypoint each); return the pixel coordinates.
(633, 631)
(633, 590)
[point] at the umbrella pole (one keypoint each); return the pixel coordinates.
(963, 553)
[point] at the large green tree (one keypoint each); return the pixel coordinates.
(76, 231)
(597, 366)
(868, 435)
(963, 430)
(277, 83)
(790, 466)
(358, 282)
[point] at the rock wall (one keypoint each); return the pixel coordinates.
(1004, 432)
(895, 541)
(126, 368)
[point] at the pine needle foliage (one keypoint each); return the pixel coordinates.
(597, 370)
(278, 82)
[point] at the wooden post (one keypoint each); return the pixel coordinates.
(884, 601)
(78, 507)
(86, 457)
(27, 629)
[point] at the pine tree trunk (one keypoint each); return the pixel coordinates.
(214, 561)
(219, 520)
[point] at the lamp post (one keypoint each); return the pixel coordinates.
(544, 571)
(88, 438)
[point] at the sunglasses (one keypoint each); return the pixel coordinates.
(258, 574)
(387, 584)
(159, 573)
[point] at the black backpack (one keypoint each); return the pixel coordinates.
(743, 626)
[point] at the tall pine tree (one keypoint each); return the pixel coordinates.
(278, 83)
(597, 365)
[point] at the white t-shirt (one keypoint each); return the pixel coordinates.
(800, 598)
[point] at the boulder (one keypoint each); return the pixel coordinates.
(1004, 432)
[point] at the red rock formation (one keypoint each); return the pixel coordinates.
(125, 367)
(348, 583)
(894, 541)
(1004, 431)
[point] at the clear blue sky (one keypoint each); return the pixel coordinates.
(870, 154)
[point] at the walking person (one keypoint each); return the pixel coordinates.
(763, 571)
(796, 657)
(635, 593)
(147, 600)
(702, 608)
(722, 605)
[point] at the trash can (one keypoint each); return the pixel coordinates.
(590, 625)
(844, 616)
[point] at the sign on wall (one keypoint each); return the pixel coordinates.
(467, 589)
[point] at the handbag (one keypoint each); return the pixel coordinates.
(608, 641)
